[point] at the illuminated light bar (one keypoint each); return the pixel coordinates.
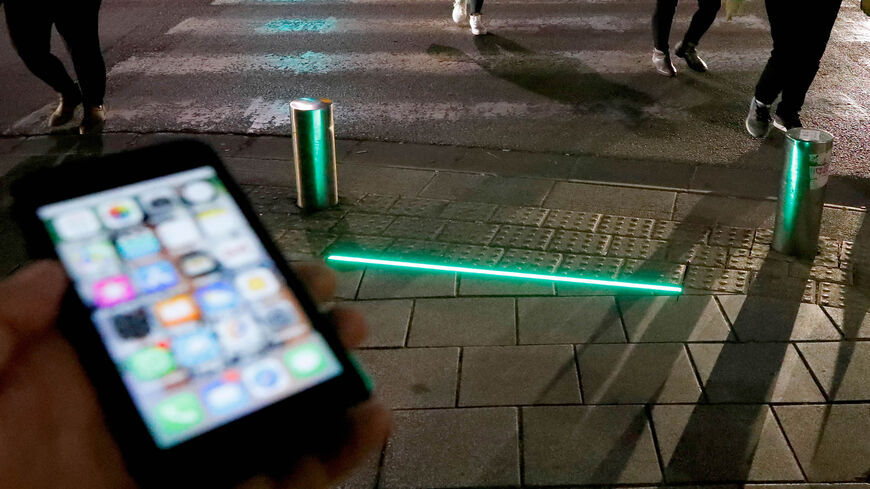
(505, 273)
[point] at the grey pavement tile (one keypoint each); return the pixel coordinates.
(679, 319)
(728, 211)
(476, 285)
(375, 202)
(743, 182)
(627, 247)
(515, 375)
(363, 223)
(528, 237)
(472, 255)
(698, 254)
(732, 237)
(830, 441)
(573, 220)
(386, 321)
(637, 374)
(262, 171)
(347, 280)
(408, 206)
(520, 216)
(837, 295)
(468, 211)
(416, 250)
(614, 200)
(365, 475)
(477, 233)
(764, 235)
(841, 367)
(413, 377)
(401, 154)
(568, 320)
(841, 223)
(636, 227)
(853, 324)
(717, 279)
(753, 373)
(477, 447)
(415, 227)
(273, 147)
(363, 179)
(394, 284)
(488, 188)
(296, 244)
(770, 319)
(580, 242)
(683, 232)
(463, 321)
(704, 443)
(530, 261)
(652, 272)
(586, 266)
(355, 244)
(565, 445)
(637, 172)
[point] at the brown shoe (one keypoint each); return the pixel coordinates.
(66, 109)
(93, 120)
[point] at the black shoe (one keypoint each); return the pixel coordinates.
(758, 119)
(662, 62)
(65, 110)
(784, 122)
(687, 52)
(93, 120)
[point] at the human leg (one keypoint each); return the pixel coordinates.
(78, 25)
(662, 18)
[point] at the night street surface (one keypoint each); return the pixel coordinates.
(561, 76)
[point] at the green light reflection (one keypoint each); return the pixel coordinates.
(297, 25)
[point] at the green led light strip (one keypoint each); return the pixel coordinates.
(504, 273)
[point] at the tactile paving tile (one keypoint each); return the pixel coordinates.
(572, 220)
(529, 261)
(295, 243)
(834, 275)
(319, 221)
(418, 207)
(349, 243)
(842, 296)
(427, 251)
(652, 271)
(468, 211)
(717, 279)
(523, 237)
(590, 266)
(479, 233)
(415, 227)
(732, 237)
(472, 255)
(635, 227)
(625, 247)
(764, 236)
(376, 203)
(520, 216)
(681, 232)
(745, 262)
(829, 252)
(579, 242)
(362, 223)
(699, 255)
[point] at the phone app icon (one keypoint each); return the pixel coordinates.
(266, 378)
(240, 335)
(155, 277)
(257, 284)
(178, 413)
(217, 222)
(113, 290)
(159, 202)
(90, 259)
(305, 361)
(177, 233)
(217, 298)
(151, 363)
(237, 252)
(198, 192)
(178, 310)
(120, 213)
(226, 395)
(76, 225)
(132, 325)
(196, 350)
(197, 264)
(136, 244)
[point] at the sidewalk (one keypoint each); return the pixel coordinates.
(757, 374)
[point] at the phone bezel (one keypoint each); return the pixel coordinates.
(231, 452)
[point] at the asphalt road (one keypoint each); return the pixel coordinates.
(568, 76)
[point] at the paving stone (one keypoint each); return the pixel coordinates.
(297, 244)
(612, 200)
(573, 220)
(590, 266)
(717, 279)
(362, 223)
(364, 179)
(317, 222)
(519, 216)
(415, 227)
(703, 443)
(753, 263)
(579, 242)
(764, 236)
(472, 255)
(468, 211)
(655, 272)
(394, 284)
(853, 323)
(417, 250)
(347, 282)
(830, 441)
(836, 295)
(355, 244)
(841, 367)
(523, 237)
(413, 377)
(386, 321)
(678, 319)
(476, 233)
(276, 223)
(487, 188)
(465, 321)
(635, 227)
(529, 261)
(566, 445)
(770, 319)
(728, 211)
(753, 373)
(568, 320)
(626, 247)
(408, 206)
(680, 232)
(376, 203)
(701, 255)
(478, 285)
(477, 447)
(365, 475)
(637, 374)
(732, 237)
(516, 375)
(776, 287)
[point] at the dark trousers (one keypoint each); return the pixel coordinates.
(800, 30)
(29, 23)
(663, 17)
(475, 5)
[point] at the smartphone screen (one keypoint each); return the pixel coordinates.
(199, 321)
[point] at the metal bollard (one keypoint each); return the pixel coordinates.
(802, 192)
(314, 153)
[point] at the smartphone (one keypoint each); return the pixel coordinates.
(210, 360)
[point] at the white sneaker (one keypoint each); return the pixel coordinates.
(460, 11)
(477, 27)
